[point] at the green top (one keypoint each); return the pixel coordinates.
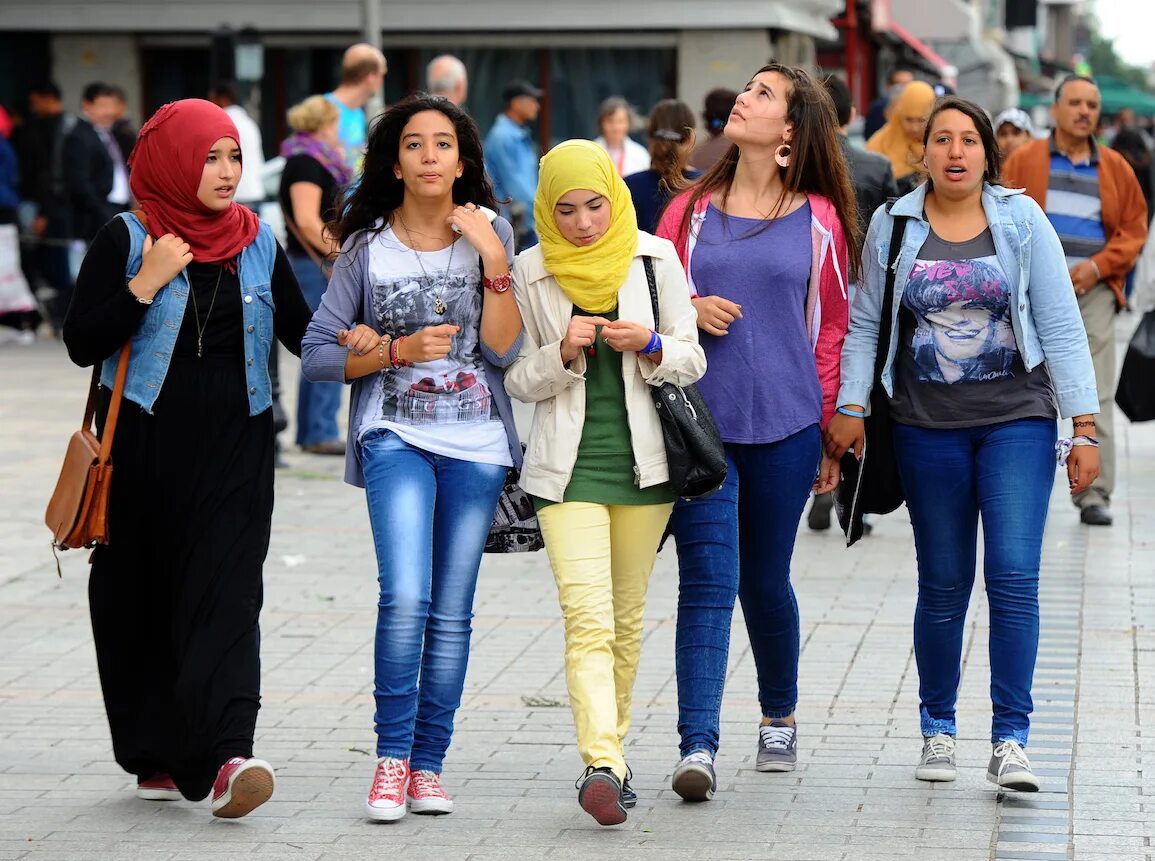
(604, 471)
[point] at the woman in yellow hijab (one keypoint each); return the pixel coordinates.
(595, 461)
(900, 140)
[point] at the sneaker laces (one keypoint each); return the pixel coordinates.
(389, 776)
(939, 746)
(426, 783)
(1010, 752)
(700, 756)
(778, 737)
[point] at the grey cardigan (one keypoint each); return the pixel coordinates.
(349, 291)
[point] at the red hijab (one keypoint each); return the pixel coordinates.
(167, 165)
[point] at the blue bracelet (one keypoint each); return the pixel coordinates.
(851, 413)
(654, 346)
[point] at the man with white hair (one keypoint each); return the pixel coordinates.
(445, 76)
(363, 71)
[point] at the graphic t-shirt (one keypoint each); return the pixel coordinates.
(445, 406)
(958, 364)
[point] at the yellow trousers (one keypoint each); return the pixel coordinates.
(602, 556)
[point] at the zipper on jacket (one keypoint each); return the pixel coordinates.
(637, 476)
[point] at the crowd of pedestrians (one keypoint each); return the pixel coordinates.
(440, 273)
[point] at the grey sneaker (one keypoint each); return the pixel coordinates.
(937, 763)
(1010, 768)
(694, 777)
(777, 747)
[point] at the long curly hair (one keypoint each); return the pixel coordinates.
(370, 204)
(817, 164)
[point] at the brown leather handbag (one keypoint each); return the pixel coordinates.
(78, 511)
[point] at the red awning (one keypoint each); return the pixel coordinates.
(945, 70)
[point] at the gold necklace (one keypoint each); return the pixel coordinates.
(196, 311)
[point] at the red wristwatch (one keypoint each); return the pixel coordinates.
(499, 284)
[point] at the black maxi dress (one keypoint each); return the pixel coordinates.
(176, 595)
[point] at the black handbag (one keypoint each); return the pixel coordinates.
(694, 453)
(1136, 393)
(870, 482)
(515, 528)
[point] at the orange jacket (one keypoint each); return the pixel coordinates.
(1124, 209)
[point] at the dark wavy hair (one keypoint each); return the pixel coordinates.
(817, 164)
(380, 192)
(982, 125)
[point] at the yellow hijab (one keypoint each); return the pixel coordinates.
(915, 100)
(590, 275)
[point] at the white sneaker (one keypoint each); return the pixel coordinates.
(386, 801)
(937, 763)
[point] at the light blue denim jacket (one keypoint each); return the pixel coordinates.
(155, 338)
(1044, 311)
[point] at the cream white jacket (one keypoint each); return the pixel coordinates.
(538, 376)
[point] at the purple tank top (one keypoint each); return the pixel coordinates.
(761, 380)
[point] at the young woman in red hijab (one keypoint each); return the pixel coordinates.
(201, 288)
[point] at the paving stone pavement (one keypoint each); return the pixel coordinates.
(513, 760)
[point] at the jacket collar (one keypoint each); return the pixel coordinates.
(912, 204)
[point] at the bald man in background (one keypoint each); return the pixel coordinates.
(446, 77)
(363, 71)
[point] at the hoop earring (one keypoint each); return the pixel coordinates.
(783, 158)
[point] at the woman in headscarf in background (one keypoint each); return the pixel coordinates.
(596, 461)
(900, 140)
(200, 287)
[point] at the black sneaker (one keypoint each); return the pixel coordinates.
(629, 797)
(819, 517)
(600, 795)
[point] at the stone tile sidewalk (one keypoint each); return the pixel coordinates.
(513, 762)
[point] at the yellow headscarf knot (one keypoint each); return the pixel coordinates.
(590, 275)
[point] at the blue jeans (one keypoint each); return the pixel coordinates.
(430, 516)
(738, 543)
(317, 403)
(1002, 473)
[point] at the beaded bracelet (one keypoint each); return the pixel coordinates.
(654, 345)
(383, 349)
(851, 413)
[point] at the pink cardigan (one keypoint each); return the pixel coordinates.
(827, 308)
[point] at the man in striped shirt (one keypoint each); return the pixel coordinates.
(1096, 205)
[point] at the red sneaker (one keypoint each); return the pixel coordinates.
(159, 787)
(242, 785)
(426, 794)
(386, 801)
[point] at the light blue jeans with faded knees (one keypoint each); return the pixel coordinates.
(430, 516)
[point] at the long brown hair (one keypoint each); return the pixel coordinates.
(670, 130)
(817, 164)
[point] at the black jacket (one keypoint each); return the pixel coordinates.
(41, 169)
(88, 175)
(873, 179)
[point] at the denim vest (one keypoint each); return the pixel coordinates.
(155, 338)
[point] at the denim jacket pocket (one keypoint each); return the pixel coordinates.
(264, 308)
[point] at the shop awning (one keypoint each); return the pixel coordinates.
(935, 61)
(1116, 95)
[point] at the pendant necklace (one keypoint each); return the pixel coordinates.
(196, 311)
(439, 305)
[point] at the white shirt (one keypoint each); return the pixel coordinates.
(631, 158)
(251, 188)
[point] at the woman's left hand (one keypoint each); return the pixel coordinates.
(475, 226)
(1082, 467)
(624, 335)
(361, 339)
(829, 474)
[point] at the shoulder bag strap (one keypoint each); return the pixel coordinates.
(114, 404)
(884, 325)
(652, 282)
